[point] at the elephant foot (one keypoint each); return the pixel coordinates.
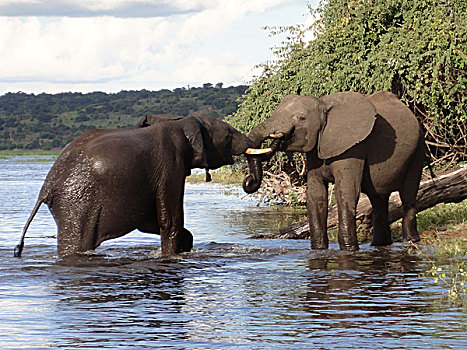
(186, 243)
(319, 246)
(349, 243)
(349, 248)
(178, 242)
(411, 239)
(381, 239)
(378, 242)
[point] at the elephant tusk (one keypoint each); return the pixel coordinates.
(258, 151)
(276, 136)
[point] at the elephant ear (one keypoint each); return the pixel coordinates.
(193, 129)
(350, 119)
(143, 122)
(150, 119)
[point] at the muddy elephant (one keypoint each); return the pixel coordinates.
(371, 144)
(107, 183)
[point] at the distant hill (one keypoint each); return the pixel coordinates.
(49, 121)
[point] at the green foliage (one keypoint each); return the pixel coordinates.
(448, 268)
(453, 278)
(443, 216)
(414, 48)
(445, 246)
(51, 121)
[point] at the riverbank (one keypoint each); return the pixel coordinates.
(447, 251)
(227, 175)
(32, 153)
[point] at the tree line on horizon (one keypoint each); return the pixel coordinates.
(50, 121)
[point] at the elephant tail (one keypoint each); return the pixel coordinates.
(20, 246)
(428, 161)
(428, 164)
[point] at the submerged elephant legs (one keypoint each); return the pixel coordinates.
(317, 207)
(379, 218)
(175, 238)
(408, 196)
(347, 173)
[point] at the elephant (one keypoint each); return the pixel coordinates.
(106, 183)
(150, 119)
(371, 144)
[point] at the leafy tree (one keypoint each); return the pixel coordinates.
(414, 48)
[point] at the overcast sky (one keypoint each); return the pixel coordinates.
(112, 45)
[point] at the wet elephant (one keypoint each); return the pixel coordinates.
(107, 183)
(372, 144)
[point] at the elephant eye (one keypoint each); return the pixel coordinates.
(229, 138)
(301, 118)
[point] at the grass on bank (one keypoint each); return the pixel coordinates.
(444, 244)
(30, 156)
(444, 238)
(227, 175)
(17, 153)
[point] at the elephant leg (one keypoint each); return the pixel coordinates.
(317, 207)
(347, 174)
(77, 232)
(174, 237)
(68, 239)
(409, 218)
(379, 219)
(408, 195)
(409, 223)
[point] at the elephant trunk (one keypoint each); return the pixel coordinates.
(261, 132)
(252, 182)
(258, 135)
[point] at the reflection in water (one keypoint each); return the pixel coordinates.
(229, 292)
(362, 288)
(135, 300)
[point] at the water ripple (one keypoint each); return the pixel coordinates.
(229, 292)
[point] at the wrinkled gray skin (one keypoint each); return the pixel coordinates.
(107, 183)
(372, 144)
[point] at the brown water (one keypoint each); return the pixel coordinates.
(229, 292)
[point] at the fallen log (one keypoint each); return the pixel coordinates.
(447, 188)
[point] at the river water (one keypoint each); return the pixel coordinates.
(231, 291)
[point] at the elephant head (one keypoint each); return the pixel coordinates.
(330, 125)
(221, 141)
(214, 141)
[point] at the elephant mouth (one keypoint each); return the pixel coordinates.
(281, 140)
(264, 154)
(256, 157)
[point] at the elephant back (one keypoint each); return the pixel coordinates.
(393, 142)
(399, 117)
